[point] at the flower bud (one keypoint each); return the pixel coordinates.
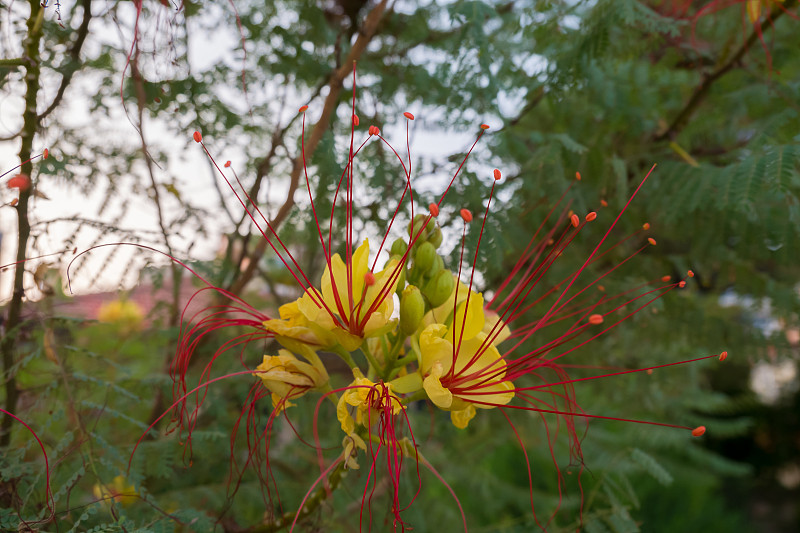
(416, 224)
(412, 309)
(438, 264)
(399, 247)
(439, 288)
(436, 236)
(424, 257)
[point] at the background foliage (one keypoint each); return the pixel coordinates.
(604, 88)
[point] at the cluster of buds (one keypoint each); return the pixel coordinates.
(447, 344)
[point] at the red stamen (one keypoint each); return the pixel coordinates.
(723, 356)
(596, 319)
(197, 137)
(591, 216)
(646, 226)
(45, 154)
(666, 278)
(497, 175)
(434, 210)
(466, 215)
(484, 126)
(681, 284)
(369, 279)
(355, 120)
(698, 431)
(603, 203)
(20, 181)
(374, 130)
(575, 220)
(227, 164)
(302, 109)
(578, 176)
(690, 273)
(651, 241)
(408, 115)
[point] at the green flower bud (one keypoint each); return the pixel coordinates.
(438, 264)
(417, 223)
(439, 288)
(412, 309)
(436, 236)
(399, 247)
(424, 257)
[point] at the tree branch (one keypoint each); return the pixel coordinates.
(367, 32)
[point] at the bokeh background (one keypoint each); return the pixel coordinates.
(707, 90)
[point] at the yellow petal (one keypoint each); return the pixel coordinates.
(462, 417)
(435, 348)
(440, 396)
(470, 316)
(499, 393)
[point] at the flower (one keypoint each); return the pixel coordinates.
(355, 303)
(287, 377)
(371, 401)
(119, 490)
(124, 314)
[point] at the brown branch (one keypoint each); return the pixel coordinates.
(74, 53)
(335, 82)
(31, 45)
(702, 90)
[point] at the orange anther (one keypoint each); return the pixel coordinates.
(646, 226)
(651, 241)
(603, 203)
(408, 115)
(575, 220)
(302, 109)
(666, 278)
(681, 284)
(649, 371)
(434, 210)
(723, 356)
(466, 215)
(497, 175)
(690, 273)
(374, 130)
(484, 126)
(227, 164)
(578, 176)
(355, 120)
(601, 288)
(591, 216)
(197, 137)
(596, 319)
(369, 279)
(46, 153)
(20, 181)
(698, 431)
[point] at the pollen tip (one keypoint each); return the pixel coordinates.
(408, 115)
(646, 226)
(302, 109)
(497, 175)
(591, 216)
(227, 164)
(649, 371)
(651, 241)
(681, 284)
(690, 273)
(197, 136)
(484, 126)
(596, 319)
(466, 215)
(601, 288)
(355, 120)
(374, 130)
(369, 279)
(575, 220)
(45, 154)
(698, 431)
(603, 203)
(723, 356)
(434, 209)
(666, 278)
(578, 176)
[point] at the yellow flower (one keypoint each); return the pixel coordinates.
(462, 368)
(119, 490)
(287, 377)
(370, 400)
(294, 329)
(125, 314)
(354, 302)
